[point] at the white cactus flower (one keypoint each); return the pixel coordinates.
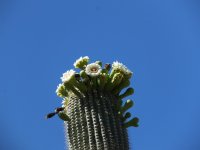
(117, 66)
(93, 69)
(79, 63)
(67, 76)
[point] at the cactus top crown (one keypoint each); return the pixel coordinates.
(94, 76)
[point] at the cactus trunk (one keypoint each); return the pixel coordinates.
(95, 123)
(94, 109)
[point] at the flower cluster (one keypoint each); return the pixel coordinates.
(94, 76)
(110, 78)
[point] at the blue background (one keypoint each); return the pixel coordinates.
(158, 40)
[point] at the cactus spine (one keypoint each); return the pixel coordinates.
(93, 111)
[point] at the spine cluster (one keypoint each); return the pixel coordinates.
(94, 110)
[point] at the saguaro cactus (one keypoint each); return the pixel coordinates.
(94, 111)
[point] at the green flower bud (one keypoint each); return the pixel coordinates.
(116, 80)
(121, 86)
(133, 122)
(128, 104)
(126, 116)
(128, 92)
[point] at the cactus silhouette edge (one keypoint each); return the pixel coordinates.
(94, 109)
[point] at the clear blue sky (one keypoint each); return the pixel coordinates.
(158, 40)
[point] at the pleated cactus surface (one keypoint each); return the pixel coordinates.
(94, 106)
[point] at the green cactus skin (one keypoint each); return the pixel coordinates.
(94, 112)
(95, 123)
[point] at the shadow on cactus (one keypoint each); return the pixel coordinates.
(94, 109)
